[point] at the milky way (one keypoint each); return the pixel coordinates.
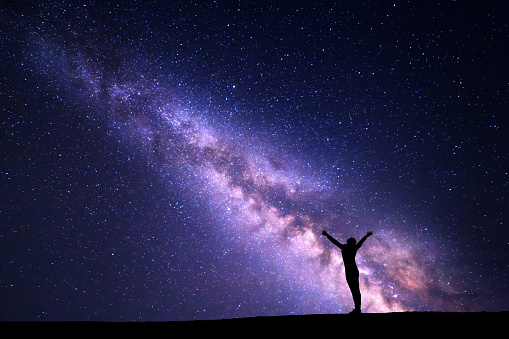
(236, 206)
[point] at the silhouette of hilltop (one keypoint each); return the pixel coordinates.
(393, 325)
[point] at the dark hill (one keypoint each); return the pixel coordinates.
(404, 324)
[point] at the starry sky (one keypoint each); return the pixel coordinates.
(178, 160)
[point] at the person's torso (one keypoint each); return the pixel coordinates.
(348, 254)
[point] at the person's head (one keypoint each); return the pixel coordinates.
(351, 241)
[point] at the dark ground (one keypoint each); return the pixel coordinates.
(403, 324)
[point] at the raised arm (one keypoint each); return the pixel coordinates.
(359, 244)
(334, 241)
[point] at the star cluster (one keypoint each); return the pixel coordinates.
(179, 160)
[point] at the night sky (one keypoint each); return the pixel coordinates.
(179, 160)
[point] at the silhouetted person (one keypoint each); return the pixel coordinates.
(349, 250)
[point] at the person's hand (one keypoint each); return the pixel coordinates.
(370, 233)
(324, 232)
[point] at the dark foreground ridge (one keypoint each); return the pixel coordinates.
(396, 325)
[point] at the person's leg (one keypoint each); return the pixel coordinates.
(356, 293)
(353, 282)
